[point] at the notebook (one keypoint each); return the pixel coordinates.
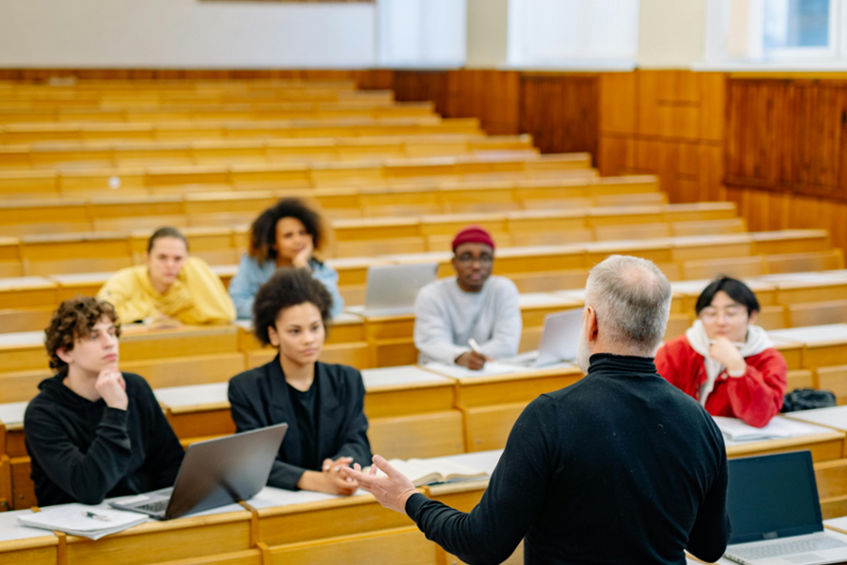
(213, 473)
(559, 340)
(775, 515)
(392, 289)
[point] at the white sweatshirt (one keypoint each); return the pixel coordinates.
(446, 317)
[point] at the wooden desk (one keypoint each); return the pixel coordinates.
(491, 404)
(807, 286)
(824, 443)
(831, 475)
(412, 413)
(26, 303)
(21, 544)
(202, 537)
(197, 410)
(822, 345)
(307, 527)
(21, 489)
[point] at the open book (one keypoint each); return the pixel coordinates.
(436, 470)
(80, 520)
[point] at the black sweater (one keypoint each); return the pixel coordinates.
(84, 451)
(259, 397)
(620, 467)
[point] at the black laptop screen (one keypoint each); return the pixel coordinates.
(772, 496)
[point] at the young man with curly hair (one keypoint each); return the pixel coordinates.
(93, 431)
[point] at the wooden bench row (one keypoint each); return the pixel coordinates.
(297, 528)
(456, 415)
(256, 111)
(231, 129)
(214, 353)
(426, 416)
(81, 252)
(412, 413)
(69, 155)
(81, 183)
(58, 84)
(232, 208)
(104, 91)
(203, 97)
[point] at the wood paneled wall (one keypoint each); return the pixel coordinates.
(787, 135)
(786, 152)
(665, 122)
(560, 110)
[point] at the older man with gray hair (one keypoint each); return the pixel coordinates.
(620, 467)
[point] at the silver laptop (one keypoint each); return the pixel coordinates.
(559, 340)
(213, 473)
(392, 289)
(775, 514)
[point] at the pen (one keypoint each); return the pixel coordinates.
(96, 516)
(474, 346)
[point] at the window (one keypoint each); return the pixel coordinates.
(773, 32)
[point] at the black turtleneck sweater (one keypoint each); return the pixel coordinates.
(84, 451)
(620, 467)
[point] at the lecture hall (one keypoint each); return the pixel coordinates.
(409, 230)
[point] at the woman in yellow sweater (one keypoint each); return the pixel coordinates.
(170, 289)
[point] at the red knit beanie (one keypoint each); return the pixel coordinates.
(473, 234)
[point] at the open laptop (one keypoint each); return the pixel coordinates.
(213, 473)
(392, 289)
(775, 514)
(559, 340)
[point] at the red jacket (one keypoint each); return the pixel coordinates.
(755, 397)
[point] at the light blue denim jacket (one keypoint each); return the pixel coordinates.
(251, 275)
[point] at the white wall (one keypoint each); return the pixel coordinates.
(563, 33)
(672, 33)
(421, 33)
(488, 28)
(185, 34)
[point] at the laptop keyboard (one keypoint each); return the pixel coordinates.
(787, 547)
(156, 507)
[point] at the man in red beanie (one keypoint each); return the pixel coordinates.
(473, 317)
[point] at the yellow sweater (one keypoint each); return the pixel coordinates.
(197, 296)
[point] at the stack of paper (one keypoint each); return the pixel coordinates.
(80, 520)
(490, 369)
(736, 430)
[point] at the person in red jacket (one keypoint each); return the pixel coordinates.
(724, 360)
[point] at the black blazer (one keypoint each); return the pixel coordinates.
(259, 397)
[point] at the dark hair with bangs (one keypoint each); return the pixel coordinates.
(734, 288)
(73, 320)
(263, 229)
(286, 288)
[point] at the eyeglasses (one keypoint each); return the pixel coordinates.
(730, 314)
(469, 259)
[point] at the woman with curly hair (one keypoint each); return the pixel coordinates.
(285, 235)
(322, 402)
